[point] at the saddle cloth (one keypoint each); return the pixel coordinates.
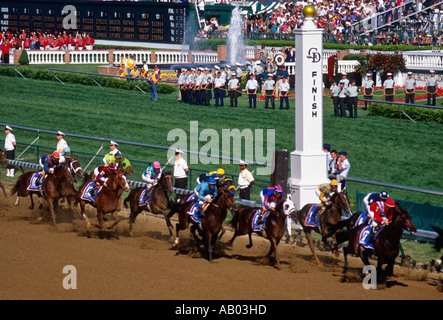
(32, 183)
(86, 195)
(365, 237)
(362, 219)
(143, 202)
(256, 226)
(311, 219)
(193, 212)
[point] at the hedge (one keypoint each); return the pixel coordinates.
(416, 113)
(211, 44)
(85, 79)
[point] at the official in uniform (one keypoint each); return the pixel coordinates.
(269, 90)
(10, 146)
(251, 89)
(219, 90)
(410, 89)
(208, 80)
(368, 90)
(234, 89)
(342, 99)
(352, 95)
(389, 88)
(335, 89)
(431, 88)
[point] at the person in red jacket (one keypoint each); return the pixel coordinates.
(5, 51)
(383, 213)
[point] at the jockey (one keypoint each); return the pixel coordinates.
(48, 163)
(206, 192)
(270, 198)
(102, 175)
(326, 191)
(204, 177)
(373, 197)
(151, 175)
(113, 154)
(381, 213)
(221, 176)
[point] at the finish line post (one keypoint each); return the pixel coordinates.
(308, 161)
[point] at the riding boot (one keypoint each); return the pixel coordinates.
(94, 191)
(38, 181)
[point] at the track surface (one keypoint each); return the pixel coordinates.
(144, 266)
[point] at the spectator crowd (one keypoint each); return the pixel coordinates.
(43, 41)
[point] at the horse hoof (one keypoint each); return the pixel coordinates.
(16, 204)
(337, 253)
(249, 246)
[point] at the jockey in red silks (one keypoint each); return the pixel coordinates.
(270, 198)
(102, 175)
(382, 212)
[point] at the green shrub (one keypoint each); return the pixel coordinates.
(24, 59)
(416, 113)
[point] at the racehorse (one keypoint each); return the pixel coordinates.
(68, 189)
(4, 163)
(211, 222)
(107, 199)
(159, 201)
(386, 243)
(52, 187)
(274, 225)
(329, 221)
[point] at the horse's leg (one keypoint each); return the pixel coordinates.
(100, 220)
(274, 249)
(345, 254)
(32, 201)
(249, 246)
(51, 210)
(132, 218)
(389, 271)
(18, 199)
(168, 223)
(117, 220)
(3, 188)
(181, 225)
(311, 245)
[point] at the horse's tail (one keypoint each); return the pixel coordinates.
(235, 220)
(125, 203)
(15, 188)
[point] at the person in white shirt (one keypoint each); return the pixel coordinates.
(284, 92)
(110, 157)
(62, 146)
(342, 168)
(180, 171)
(10, 146)
(219, 90)
(251, 89)
(245, 181)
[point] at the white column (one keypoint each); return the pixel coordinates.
(308, 161)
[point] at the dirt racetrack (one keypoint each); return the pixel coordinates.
(144, 266)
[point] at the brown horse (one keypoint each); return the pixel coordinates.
(274, 226)
(52, 188)
(4, 163)
(329, 221)
(386, 243)
(68, 190)
(107, 199)
(159, 203)
(211, 222)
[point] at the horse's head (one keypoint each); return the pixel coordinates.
(3, 158)
(74, 166)
(340, 200)
(226, 199)
(116, 180)
(127, 167)
(166, 182)
(63, 172)
(402, 219)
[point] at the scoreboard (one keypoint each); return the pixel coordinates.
(108, 20)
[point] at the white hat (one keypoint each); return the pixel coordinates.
(389, 74)
(369, 75)
(344, 73)
(8, 128)
(257, 62)
(243, 162)
(248, 63)
(59, 133)
(234, 73)
(228, 66)
(409, 73)
(238, 64)
(113, 143)
(178, 151)
(217, 67)
(431, 71)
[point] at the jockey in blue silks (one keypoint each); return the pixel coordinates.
(206, 192)
(270, 198)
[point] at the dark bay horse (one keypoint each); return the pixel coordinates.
(107, 199)
(4, 163)
(274, 226)
(329, 221)
(386, 244)
(52, 187)
(68, 189)
(212, 221)
(159, 203)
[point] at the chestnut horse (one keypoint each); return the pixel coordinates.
(52, 187)
(107, 199)
(4, 163)
(159, 203)
(211, 222)
(329, 221)
(386, 243)
(274, 226)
